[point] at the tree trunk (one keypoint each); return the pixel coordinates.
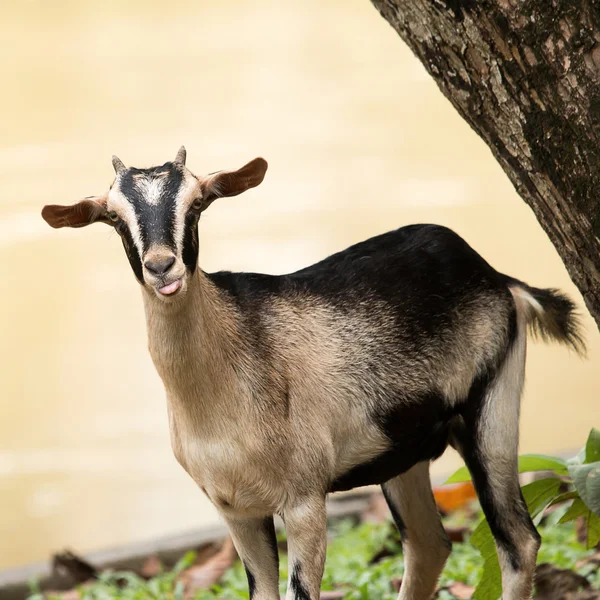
(525, 74)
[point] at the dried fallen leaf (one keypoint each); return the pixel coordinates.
(151, 567)
(457, 534)
(461, 590)
(68, 595)
(68, 564)
(594, 559)
(201, 577)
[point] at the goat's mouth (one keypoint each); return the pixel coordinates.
(170, 288)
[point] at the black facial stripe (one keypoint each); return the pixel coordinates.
(190, 241)
(156, 221)
(132, 252)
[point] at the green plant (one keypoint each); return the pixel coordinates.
(351, 566)
(582, 475)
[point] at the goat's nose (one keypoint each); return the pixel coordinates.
(159, 266)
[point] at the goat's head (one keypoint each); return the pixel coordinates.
(156, 213)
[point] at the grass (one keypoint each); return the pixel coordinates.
(349, 566)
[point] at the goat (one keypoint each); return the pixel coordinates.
(360, 369)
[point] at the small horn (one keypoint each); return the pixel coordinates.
(118, 165)
(181, 156)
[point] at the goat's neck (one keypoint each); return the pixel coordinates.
(193, 341)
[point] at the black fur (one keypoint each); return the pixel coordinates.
(418, 430)
(562, 313)
(269, 527)
(422, 271)
(395, 514)
(131, 250)
(251, 582)
(465, 437)
(156, 221)
(300, 591)
(189, 253)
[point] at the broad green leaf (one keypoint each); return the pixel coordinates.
(541, 462)
(577, 509)
(593, 530)
(490, 584)
(483, 539)
(577, 460)
(592, 447)
(564, 497)
(527, 463)
(459, 476)
(586, 479)
(592, 521)
(538, 495)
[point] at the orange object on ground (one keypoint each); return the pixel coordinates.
(452, 497)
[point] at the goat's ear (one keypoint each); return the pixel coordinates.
(85, 212)
(232, 183)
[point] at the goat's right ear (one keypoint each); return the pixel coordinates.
(85, 212)
(232, 183)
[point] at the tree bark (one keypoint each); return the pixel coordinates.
(525, 74)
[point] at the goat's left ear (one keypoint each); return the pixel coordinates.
(85, 212)
(232, 183)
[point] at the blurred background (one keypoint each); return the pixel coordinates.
(359, 141)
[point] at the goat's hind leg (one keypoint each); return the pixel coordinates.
(255, 541)
(425, 543)
(488, 441)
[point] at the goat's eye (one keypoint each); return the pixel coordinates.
(113, 216)
(197, 204)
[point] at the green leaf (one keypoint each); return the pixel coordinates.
(459, 476)
(586, 479)
(527, 463)
(178, 594)
(564, 497)
(538, 495)
(592, 447)
(577, 460)
(577, 509)
(541, 462)
(490, 584)
(184, 562)
(593, 530)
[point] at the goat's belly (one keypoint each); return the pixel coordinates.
(407, 444)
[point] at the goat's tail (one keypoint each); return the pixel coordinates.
(549, 314)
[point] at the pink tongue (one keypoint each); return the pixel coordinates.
(169, 289)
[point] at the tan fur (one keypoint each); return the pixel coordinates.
(425, 543)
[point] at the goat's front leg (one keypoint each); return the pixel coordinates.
(306, 528)
(255, 541)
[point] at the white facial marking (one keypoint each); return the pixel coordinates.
(185, 197)
(119, 203)
(151, 188)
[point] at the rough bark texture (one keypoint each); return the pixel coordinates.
(525, 74)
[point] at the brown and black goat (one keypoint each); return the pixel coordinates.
(357, 370)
